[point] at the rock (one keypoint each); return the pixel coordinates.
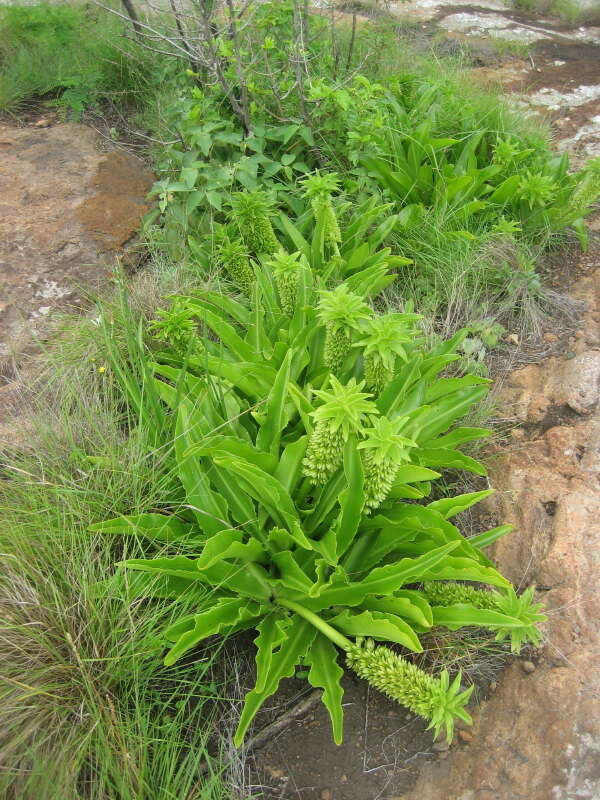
(538, 734)
(441, 746)
(465, 736)
(67, 207)
(528, 667)
(326, 794)
(550, 338)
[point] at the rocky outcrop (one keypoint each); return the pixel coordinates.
(538, 736)
(69, 202)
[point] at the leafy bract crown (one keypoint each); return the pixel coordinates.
(344, 407)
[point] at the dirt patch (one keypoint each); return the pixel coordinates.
(67, 206)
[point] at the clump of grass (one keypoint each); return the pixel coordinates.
(72, 55)
(86, 712)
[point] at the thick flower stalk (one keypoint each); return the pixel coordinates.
(344, 411)
(233, 257)
(507, 602)
(383, 342)
(435, 699)
(440, 593)
(319, 189)
(342, 312)
(251, 212)
(286, 269)
(384, 449)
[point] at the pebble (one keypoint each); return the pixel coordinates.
(528, 667)
(441, 747)
(344, 779)
(465, 736)
(326, 794)
(493, 686)
(550, 337)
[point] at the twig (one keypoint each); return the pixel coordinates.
(301, 708)
(270, 731)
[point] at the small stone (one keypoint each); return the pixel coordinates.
(465, 736)
(550, 337)
(326, 794)
(344, 779)
(441, 746)
(528, 667)
(493, 686)
(443, 755)
(517, 433)
(512, 338)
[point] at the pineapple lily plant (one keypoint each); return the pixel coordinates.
(306, 425)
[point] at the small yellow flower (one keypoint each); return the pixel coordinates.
(101, 370)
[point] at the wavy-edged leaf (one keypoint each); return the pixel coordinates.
(299, 637)
(455, 568)
(289, 470)
(380, 625)
(224, 614)
(449, 459)
(325, 673)
(449, 507)
(230, 545)
(406, 603)
(456, 437)
(154, 526)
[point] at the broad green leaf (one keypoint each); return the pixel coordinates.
(381, 581)
(299, 637)
(462, 615)
(215, 445)
(276, 419)
(210, 509)
(413, 473)
(264, 488)
(352, 498)
(454, 568)
(178, 566)
(271, 635)
(154, 526)
(456, 437)
(451, 506)
(325, 673)
(489, 537)
(224, 614)
(289, 469)
(380, 625)
(227, 545)
(407, 603)
(449, 459)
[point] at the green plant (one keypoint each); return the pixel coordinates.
(76, 57)
(302, 530)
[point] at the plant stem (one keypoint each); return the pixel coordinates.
(335, 636)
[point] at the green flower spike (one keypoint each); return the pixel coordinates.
(286, 269)
(383, 343)
(319, 188)
(251, 210)
(435, 699)
(341, 311)
(384, 450)
(344, 410)
(506, 602)
(233, 256)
